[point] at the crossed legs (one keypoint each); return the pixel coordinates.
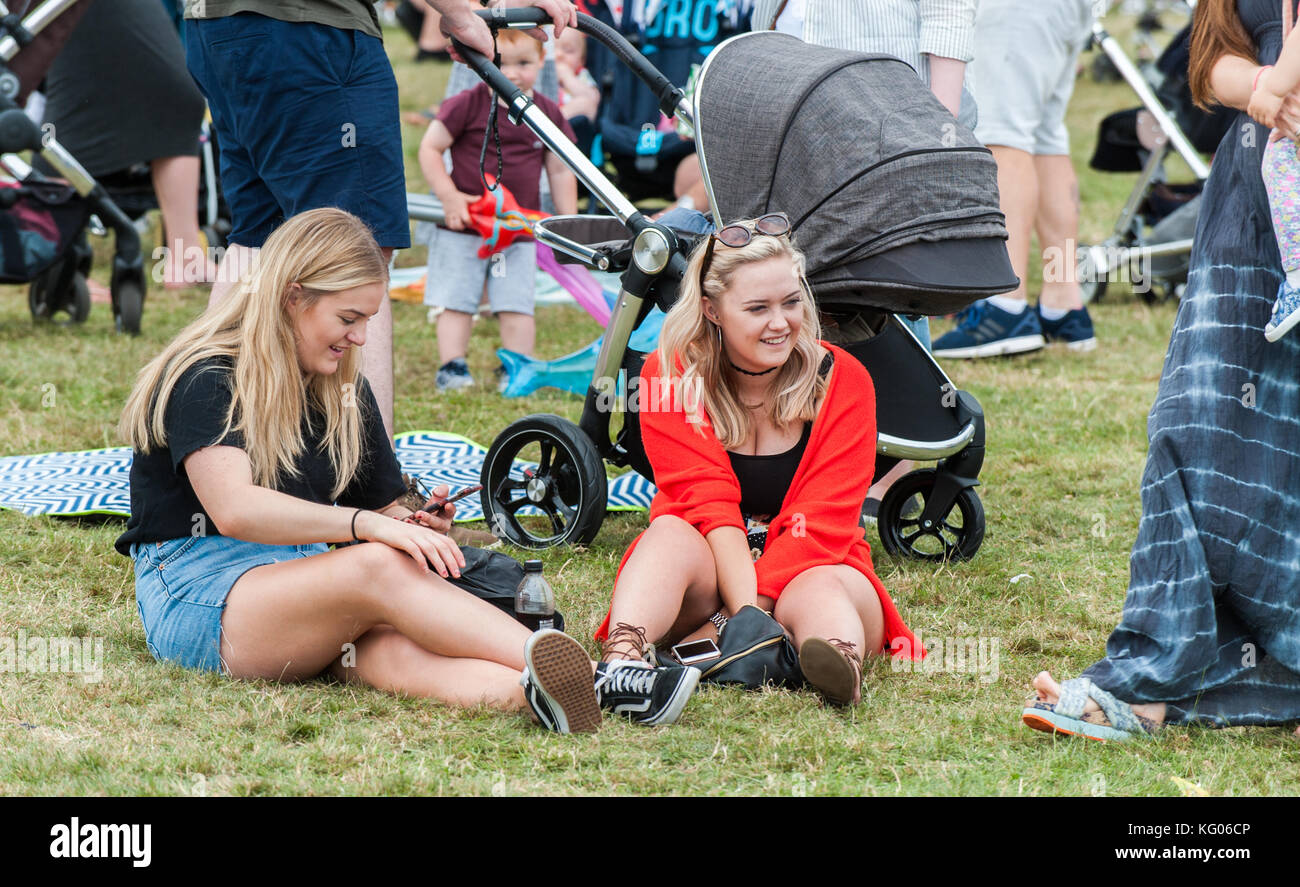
(669, 588)
(367, 613)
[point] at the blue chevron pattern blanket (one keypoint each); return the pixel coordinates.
(98, 481)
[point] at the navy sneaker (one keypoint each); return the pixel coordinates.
(1286, 312)
(454, 375)
(1074, 329)
(985, 330)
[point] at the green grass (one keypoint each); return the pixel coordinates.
(1066, 447)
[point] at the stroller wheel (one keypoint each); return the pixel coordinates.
(44, 302)
(128, 306)
(1092, 272)
(560, 500)
(957, 535)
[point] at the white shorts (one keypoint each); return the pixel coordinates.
(456, 274)
(1026, 52)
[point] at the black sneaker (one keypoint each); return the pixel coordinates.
(453, 375)
(648, 695)
(557, 683)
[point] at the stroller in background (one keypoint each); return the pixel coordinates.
(1152, 237)
(43, 220)
(904, 220)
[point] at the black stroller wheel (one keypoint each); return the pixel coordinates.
(1091, 273)
(128, 303)
(566, 490)
(957, 535)
(44, 301)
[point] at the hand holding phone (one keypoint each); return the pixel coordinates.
(436, 504)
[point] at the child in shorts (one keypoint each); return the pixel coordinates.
(1281, 172)
(457, 277)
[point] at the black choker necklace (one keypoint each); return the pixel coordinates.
(748, 373)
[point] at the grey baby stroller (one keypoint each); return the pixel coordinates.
(896, 208)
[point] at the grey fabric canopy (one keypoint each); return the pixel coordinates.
(893, 201)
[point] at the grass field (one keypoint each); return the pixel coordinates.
(1066, 447)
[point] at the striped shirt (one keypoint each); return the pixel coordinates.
(905, 29)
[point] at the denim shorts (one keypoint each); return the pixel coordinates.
(306, 116)
(181, 587)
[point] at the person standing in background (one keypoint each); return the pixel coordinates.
(1023, 98)
(304, 104)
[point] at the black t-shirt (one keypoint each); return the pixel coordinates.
(163, 503)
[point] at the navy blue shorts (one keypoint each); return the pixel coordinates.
(306, 116)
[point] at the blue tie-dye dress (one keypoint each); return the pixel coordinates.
(1211, 623)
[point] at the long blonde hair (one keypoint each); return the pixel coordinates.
(691, 338)
(324, 251)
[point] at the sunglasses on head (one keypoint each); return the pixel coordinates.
(772, 224)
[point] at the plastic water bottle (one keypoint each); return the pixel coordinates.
(534, 599)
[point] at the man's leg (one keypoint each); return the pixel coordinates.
(1058, 230)
(1018, 187)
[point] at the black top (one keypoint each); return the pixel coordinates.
(163, 504)
(764, 480)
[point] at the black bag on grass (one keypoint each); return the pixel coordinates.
(494, 576)
(755, 651)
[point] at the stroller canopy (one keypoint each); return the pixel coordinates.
(894, 203)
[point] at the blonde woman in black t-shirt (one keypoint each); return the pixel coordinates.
(248, 429)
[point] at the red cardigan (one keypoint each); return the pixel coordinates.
(818, 521)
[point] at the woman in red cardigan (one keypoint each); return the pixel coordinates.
(762, 439)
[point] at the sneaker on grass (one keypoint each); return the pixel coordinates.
(648, 695)
(454, 375)
(985, 330)
(1074, 330)
(557, 683)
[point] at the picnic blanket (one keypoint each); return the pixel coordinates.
(99, 481)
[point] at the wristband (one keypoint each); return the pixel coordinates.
(719, 621)
(1258, 74)
(354, 524)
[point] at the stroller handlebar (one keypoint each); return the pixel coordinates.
(669, 97)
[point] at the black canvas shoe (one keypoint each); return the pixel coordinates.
(557, 683)
(648, 695)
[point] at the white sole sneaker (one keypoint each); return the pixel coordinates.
(681, 695)
(998, 348)
(558, 683)
(1082, 345)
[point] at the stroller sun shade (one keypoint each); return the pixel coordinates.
(894, 203)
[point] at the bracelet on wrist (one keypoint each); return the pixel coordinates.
(1258, 74)
(719, 621)
(355, 538)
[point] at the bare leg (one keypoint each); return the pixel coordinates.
(377, 357)
(668, 587)
(833, 601)
(292, 620)
(688, 181)
(386, 659)
(1058, 229)
(890, 477)
(453, 335)
(176, 184)
(235, 263)
(1018, 187)
(518, 332)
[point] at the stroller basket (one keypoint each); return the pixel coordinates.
(38, 223)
